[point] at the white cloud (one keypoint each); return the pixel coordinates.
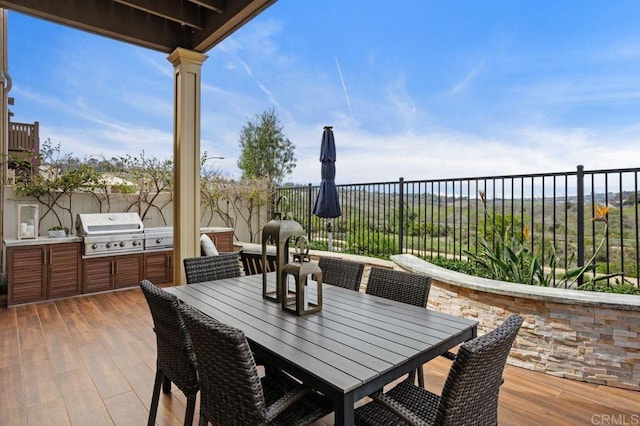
(111, 141)
(449, 154)
(100, 106)
(583, 90)
(471, 76)
(155, 63)
(402, 102)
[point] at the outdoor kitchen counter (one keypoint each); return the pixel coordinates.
(76, 239)
(43, 268)
(212, 229)
(41, 240)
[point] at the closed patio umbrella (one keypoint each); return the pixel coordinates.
(327, 203)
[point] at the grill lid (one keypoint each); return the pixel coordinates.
(160, 232)
(108, 223)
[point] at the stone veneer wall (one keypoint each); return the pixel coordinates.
(573, 334)
(590, 337)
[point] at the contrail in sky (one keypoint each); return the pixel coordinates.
(344, 87)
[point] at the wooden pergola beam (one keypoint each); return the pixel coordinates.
(106, 18)
(215, 5)
(161, 25)
(184, 13)
(220, 26)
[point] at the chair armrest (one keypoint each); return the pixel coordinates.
(285, 401)
(449, 355)
(398, 409)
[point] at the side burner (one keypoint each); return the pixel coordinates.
(158, 238)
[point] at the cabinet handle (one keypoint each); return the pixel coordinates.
(50, 257)
(113, 271)
(44, 258)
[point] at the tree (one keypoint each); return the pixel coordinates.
(54, 177)
(266, 151)
(152, 177)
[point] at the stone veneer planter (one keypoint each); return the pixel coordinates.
(586, 336)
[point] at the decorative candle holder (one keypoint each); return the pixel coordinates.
(299, 301)
(278, 231)
(28, 221)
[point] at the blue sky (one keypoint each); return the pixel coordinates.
(423, 89)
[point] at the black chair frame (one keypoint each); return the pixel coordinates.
(211, 268)
(176, 360)
(342, 273)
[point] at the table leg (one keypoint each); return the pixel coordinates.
(344, 410)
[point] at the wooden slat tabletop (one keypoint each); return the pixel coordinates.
(355, 345)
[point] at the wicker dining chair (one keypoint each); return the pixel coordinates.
(342, 273)
(176, 360)
(252, 262)
(469, 395)
(232, 393)
(211, 268)
(401, 286)
(405, 287)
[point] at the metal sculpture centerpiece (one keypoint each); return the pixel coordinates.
(301, 268)
(279, 231)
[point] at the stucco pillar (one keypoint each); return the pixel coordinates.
(186, 157)
(5, 87)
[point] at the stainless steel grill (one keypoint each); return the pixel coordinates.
(158, 238)
(110, 233)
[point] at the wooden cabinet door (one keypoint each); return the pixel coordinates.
(128, 270)
(26, 274)
(64, 273)
(223, 241)
(97, 274)
(158, 267)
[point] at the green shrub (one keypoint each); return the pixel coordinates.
(496, 224)
(319, 245)
(371, 244)
(507, 256)
(462, 266)
(618, 288)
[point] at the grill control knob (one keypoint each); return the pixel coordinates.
(158, 241)
(135, 243)
(122, 244)
(108, 245)
(94, 246)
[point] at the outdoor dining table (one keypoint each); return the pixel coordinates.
(357, 344)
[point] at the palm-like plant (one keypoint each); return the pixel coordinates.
(507, 258)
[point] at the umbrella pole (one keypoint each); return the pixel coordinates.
(330, 234)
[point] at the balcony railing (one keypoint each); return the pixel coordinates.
(447, 217)
(24, 137)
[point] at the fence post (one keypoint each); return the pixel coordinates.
(401, 218)
(309, 212)
(580, 219)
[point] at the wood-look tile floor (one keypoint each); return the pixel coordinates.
(91, 361)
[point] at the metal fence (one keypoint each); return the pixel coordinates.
(551, 212)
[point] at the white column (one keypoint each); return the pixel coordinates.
(186, 158)
(5, 87)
